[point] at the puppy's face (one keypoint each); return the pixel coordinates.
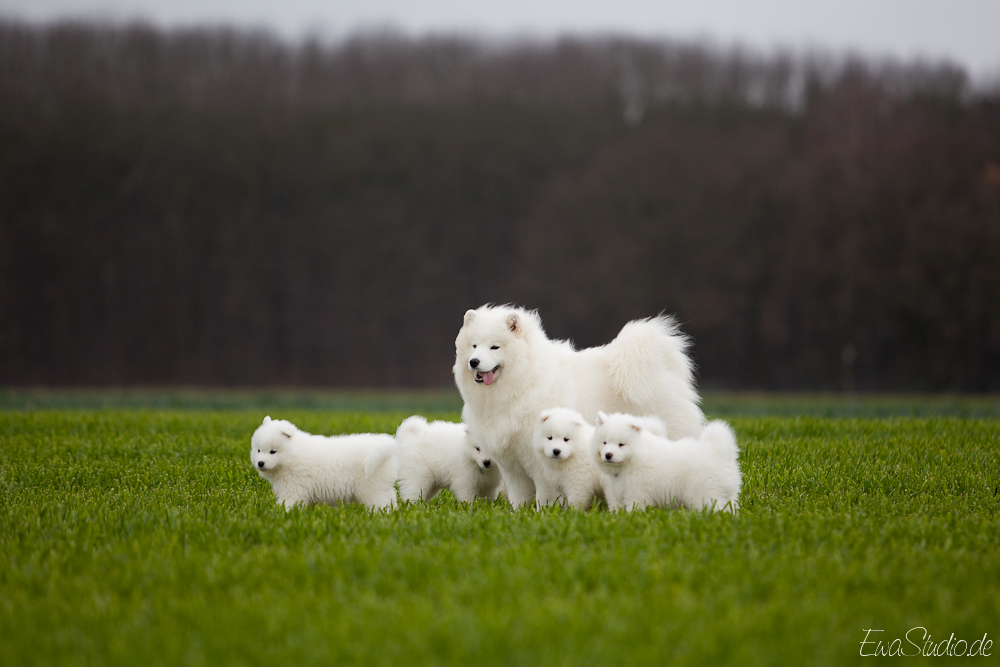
(560, 432)
(269, 445)
(614, 436)
(476, 453)
(486, 344)
(482, 459)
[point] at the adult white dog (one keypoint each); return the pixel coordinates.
(439, 455)
(307, 469)
(508, 371)
(643, 468)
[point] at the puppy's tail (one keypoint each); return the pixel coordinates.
(719, 440)
(655, 425)
(642, 351)
(411, 430)
(384, 448)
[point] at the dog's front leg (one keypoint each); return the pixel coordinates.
(520, 488)
(545, 494)
(610, 496)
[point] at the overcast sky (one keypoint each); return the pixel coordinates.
(964, 31)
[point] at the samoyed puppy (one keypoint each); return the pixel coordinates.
(307, 469)
(508, 371)
(562, 444)
(643, 468)
(440, 455)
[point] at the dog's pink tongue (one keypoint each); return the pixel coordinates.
(488, 377)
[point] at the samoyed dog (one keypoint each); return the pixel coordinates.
(304, 468)
(563, 445)
(440, 455)
(643, 468)
(508, 371)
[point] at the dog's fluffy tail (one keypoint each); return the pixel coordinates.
(411, 430)
(719, 440)
(377, 453)
(655, 425)
(641, 351)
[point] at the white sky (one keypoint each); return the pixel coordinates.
(964, 31)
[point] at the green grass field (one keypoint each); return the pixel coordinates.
(138, 536)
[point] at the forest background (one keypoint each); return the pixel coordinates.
(222, 208)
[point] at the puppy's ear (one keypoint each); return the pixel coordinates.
(469, 315)
(267, 419)
(465, 427)
(601, 418)
(636, 428)
(514, 323)
(288, 431)
(545, 414)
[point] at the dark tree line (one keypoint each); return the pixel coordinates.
(213, 207)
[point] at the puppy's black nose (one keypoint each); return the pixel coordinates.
(474, 363)
(260, 464)
(608, 456)
(487, 463)
(555, 452)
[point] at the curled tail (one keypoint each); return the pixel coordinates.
(377, 454)
(655, 425)
(718, 438)
(411, 430)
(640, 353)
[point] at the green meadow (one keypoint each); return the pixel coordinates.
(134, 531)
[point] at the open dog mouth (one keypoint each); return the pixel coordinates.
(486, 377)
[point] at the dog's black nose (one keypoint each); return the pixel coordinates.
(487, 463)
(260, 464)
(555, 452)
(608, 456)
(474, 363)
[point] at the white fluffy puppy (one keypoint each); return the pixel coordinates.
(508, 371)
(440, 455)
(304, 468)
(562, 443)
(643, 468)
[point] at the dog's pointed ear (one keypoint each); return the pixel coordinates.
(267, 419)
(636, 428)
(545, 414)
(469, 315)
(288, 431)
(601, 418)
(514, 323)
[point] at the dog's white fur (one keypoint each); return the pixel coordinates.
(644, 370)
(643, 468)
(307, 469)
(440, 455)
(563, 446)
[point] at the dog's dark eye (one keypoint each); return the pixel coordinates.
(495, 347)
(621, 444)
(477, 449)
(272, 451)
(565, 439)
(473, 347)
(550, 437)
